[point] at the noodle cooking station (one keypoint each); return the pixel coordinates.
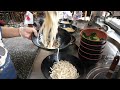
(110, 51)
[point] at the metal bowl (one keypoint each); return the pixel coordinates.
(100, 73)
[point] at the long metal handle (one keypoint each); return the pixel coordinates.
(112, 67)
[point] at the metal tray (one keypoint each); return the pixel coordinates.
(110, 50)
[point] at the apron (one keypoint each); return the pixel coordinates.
(7, 69)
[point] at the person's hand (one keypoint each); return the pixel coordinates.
(26, 32)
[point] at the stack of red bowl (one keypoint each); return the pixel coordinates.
(91, 50)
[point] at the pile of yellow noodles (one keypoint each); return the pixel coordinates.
(49, 28)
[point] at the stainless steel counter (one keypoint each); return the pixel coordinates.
(36, 72)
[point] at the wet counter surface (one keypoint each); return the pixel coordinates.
(36, 72)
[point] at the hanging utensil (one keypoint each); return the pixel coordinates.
(112, 67)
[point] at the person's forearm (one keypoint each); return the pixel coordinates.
(8, 32)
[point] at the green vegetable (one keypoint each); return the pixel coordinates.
(84, 35)
(93, 36)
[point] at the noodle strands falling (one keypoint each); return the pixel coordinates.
(49, 28)
(58, 55)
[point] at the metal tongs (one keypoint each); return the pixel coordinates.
(113, 66)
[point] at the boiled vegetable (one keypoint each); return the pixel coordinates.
(93, 36)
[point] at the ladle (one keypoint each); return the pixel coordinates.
(112, 67)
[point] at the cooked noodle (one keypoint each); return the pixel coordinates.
(69, 29)
(63, 70)
(49, 28)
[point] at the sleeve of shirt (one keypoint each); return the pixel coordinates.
(7, 69)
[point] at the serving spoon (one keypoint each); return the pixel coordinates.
(112, 67)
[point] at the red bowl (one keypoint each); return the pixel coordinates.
(89, 56)
(87, 61)
(90, 51)
(100, 34)
(92, 47)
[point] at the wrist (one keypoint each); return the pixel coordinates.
(20, 30)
